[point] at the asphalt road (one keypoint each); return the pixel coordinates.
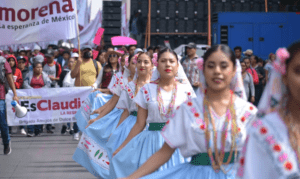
(46, 156)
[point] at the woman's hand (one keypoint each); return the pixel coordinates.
(252, 99)
(90, 122)
(97, 111)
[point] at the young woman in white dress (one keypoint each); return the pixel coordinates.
(272, 150)
(157, 102)
(210, 128)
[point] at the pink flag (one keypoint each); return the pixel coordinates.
(98, 36)
(95, 54)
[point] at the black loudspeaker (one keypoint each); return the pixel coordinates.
(171, 25)
(190, 10)
(153, 9)
(144, 8)
(162, 7)
(153, 25)
(162, 24)
(189, 25)
(171, 9)
(238, 7)
(111, 19)
(199, 9)
(181, 5)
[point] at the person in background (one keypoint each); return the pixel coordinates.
(64, 61)
(33, 80)
(36, 50)
(189, 65)
(248, 83)
(101, 58)
(24, 70)
(65, 72)
(109, 48)
(53, 69)
(269, 66)
(136, 26)
(251, 70)
(131, 49)
(108, 71)
(7, 78)
(238, 53)
(35, 59)
(150, 51)
(248, 53)
(261, 63)
(157, 49)
(85, 72)
(75, 56)
(124, 48)
(261, 75)
(17, 74)
(66, 81)
(22, 52)
(22, 65)
(18, 81)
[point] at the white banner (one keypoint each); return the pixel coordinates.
(47, 105)
(35, 21)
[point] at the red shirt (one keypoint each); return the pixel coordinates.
(2, 87)
(37, 82)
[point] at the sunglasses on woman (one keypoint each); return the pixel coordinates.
(113, 55)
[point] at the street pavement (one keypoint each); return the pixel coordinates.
(46, 156)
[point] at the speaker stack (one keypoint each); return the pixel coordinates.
(111, 19)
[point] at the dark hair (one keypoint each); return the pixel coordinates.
(14, 67)
(108, 65)
(246, 58)
(100, 52)
(256, 58)
(144, 53)
(129, 58)
(36, 63)
(159, 47)
(259, 60)
(166, 49)
(131, 46)
(238, 48)
(107, 47)
(224, 48)
(150, 48)
(66, 51)
(293, 49)
(271, 55)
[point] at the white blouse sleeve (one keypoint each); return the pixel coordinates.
(115, 85)
(140, 98)
(124, 101)
(99, 79)
(175, 132)
(256, 162)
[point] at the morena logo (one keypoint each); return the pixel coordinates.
(48, 105)
(24, 14)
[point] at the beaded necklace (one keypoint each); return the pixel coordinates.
(160, 101)
(217, 162)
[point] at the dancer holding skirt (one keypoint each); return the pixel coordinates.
(210, 128)
(157, 102)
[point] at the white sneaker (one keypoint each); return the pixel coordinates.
(76, 136)
(23, 132)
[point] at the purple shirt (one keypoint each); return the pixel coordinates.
(2, 87)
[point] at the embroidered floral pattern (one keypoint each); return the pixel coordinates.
(276, 149)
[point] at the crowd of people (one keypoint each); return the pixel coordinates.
(153, 114)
